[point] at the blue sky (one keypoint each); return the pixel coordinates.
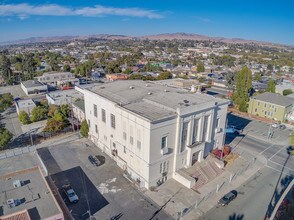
(257, 20)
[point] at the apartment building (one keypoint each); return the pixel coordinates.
(271, 105)
(58, 79)
(153, 130)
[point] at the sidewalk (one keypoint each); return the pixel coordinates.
(175, 198)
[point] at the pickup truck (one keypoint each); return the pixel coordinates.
(70, 193)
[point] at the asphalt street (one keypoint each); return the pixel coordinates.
(255, 194)
(253, 197)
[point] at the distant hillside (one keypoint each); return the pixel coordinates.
(185, 36)
(167, 36)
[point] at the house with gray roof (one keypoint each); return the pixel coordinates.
(271, 105)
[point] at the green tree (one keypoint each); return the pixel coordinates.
(270, 67)
(65, 110)
(24, 117)
(164, 75)
(5, 67)
(51, 110)
(257, 77)
(230, 80)
(271, 86)
(66, 68)
(84, 129)
(200, 68)
(6, 101)
(128, 71)
(38, 113)
(53, 125)
(29, 65)
(5, 137)
(243, 86)
(287, 92)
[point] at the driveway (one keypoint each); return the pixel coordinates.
(104, 189)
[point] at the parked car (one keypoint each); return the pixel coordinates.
(93, 160)
(226, 199)
(279, 126)
(232, 130)
(70, 193)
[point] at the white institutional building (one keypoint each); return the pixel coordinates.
(153, 130)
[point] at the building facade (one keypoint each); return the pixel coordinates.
(58, 79)
(153, 130)
(271, 105)
(32, 87)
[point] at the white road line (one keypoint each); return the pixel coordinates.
(281, 165)
(277, 170)
(282, 148)
(266, 149)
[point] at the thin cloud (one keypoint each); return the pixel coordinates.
(202, 19)
(24, 10)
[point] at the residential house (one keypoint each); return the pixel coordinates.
(271, 105)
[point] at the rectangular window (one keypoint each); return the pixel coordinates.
(275, 109)
(265, 112)
(164, 166)
(112, 119)
(195, 130)
(114, 145)
(160, 168)
(255, 110)
(139, 144)
(89, 123)
(124, 135)
(163, 142)
(217, 122)
(125, 149)
(95, 110)
(96, 128)
(167, 165)
(131, 140)
(184, 136)
(103, 114)
(205, 128)
(265, 105)
(258, 103)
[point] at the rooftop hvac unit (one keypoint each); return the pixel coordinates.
(17, 183)
(11, 203)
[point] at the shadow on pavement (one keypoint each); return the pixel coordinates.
(89, 196)
(284, 182)
(236, 217)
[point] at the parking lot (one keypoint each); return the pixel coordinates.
(102, 190)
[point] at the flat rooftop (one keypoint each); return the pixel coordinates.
(34, 195)
(65, 94)
(152, 100)
(32, 83)
(26, 103)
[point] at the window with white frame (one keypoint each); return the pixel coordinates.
(131, 140)
(139, 145)
(112, 119)
(124, 135)
(95, 110)
(164, 142)
(103, 115)
(96, 128)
